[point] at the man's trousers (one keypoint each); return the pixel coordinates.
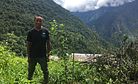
(44, 67)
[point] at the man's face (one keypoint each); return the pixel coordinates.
(38, 22)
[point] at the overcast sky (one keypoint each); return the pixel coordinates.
(87, 5)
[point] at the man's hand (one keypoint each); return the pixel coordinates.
(28, 59)
(48, 57)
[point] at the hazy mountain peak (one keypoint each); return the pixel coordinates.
(87, 5)
(110, 21)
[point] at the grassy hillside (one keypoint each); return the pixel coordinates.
(13, 70)
(106, 70)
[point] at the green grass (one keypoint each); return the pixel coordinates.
(13, 69)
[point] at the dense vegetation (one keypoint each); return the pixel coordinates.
(112, 68)
(17, 17)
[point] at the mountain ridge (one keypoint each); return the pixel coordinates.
(108, 21)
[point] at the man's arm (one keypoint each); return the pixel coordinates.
(28, 48)
(48, 48)
(28, 44)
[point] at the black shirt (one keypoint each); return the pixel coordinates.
(38, 41)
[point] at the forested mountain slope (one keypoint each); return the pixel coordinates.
(113, 21)
(17, 17)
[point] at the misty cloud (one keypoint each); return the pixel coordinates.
(87, 5)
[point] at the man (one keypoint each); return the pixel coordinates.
(38, 47)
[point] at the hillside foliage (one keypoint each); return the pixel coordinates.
(112, 68)
(17, 18)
